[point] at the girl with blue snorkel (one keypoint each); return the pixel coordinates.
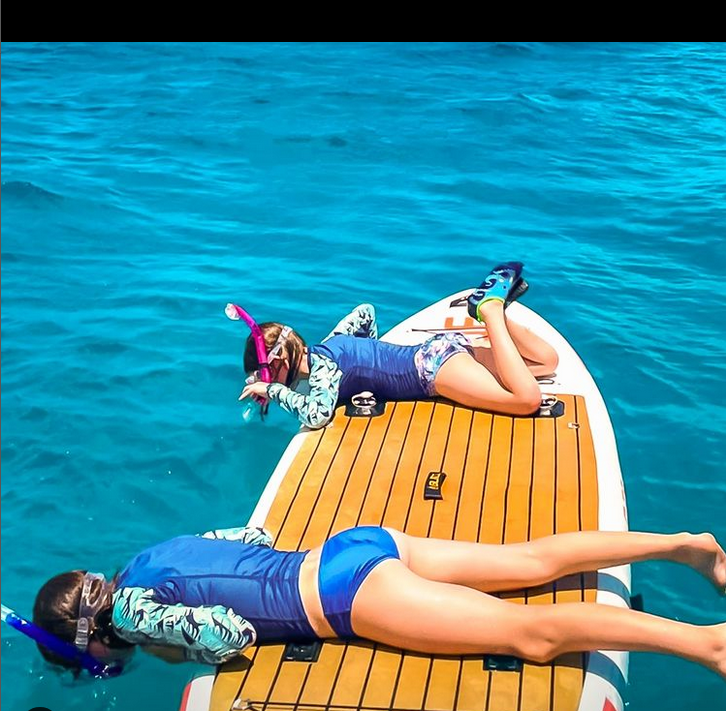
(351, 360)
(206, 598)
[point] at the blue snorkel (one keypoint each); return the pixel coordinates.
(68, 651)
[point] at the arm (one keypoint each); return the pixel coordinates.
(316, 409)
(360, 322)
(244, 534)
(207, 634)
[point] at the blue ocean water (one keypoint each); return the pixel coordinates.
(146, 185)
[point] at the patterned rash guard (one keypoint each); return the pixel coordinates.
(207, 634)
(317, 409)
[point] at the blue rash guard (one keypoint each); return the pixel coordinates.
(386, 369)
(255, 581)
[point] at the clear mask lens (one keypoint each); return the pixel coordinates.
(281, 339)
(91, 602)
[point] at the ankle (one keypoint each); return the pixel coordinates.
(682, 546)
(715, 647)
(485, 309)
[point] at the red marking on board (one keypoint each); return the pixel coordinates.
(185, 698)
(469, 325)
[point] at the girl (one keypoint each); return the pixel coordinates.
(209, 597)
(350, 360)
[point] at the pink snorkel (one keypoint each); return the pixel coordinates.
(236, 313)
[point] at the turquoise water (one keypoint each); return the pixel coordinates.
(146, 185)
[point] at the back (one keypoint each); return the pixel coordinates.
(257, 582)
(386, 369)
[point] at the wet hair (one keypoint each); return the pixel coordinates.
(292, 350)
(56, 611)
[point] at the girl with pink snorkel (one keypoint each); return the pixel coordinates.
(351, 360)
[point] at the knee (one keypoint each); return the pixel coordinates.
(536, 645)
(536, 568)
(551, 361)
(540, 651)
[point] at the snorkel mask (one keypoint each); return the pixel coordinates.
(236, 313)
(75, 653)
(89, 606)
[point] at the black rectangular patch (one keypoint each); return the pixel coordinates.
(302, 652)
(502, 662)
(434, 482)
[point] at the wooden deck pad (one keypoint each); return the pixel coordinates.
(507, 480)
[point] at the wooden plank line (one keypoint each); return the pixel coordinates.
(458, 681)
(418, 467)
(441, 467)
(289, 474)
(426, 685)
(327, 433)
(368, 676)
(350, 497)
(220, 698)
(337, 675)
(509, 481)
(400, 456)
(274, 680)
(321, 489)
(580, 503)
(377, 459)
(485, 478)
(463, 474)
(398, 676)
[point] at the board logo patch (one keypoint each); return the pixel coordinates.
(434, 482)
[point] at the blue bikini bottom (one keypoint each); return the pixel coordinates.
(347, 558)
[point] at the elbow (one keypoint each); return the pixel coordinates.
(531, 405)
(525, 404)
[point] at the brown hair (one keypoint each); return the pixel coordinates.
(56, 611)
(293, 349)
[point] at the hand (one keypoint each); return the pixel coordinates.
(256, 390)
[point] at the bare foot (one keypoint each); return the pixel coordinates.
(703, 553)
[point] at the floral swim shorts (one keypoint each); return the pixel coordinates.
(435, 352)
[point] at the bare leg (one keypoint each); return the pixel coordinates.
(432, 617)
(464, 380)
(540, 356)
(492, 568)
